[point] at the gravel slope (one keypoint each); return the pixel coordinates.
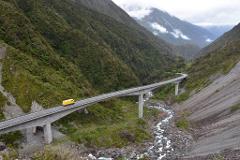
(217, 127)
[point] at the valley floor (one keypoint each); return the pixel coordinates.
(213, 114)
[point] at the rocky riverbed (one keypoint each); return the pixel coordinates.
(169, 142)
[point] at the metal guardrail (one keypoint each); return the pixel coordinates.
(84, 103)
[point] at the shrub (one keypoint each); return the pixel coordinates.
(235, 108)
(182, 97)
(182, 123)
(11, 139)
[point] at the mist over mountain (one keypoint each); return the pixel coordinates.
(218, 30)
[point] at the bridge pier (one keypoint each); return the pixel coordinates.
(47, 129)
(41, 118)
(34, 130)
(177, 89)
(29, 135)
(140, 105)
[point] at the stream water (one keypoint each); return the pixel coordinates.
(162, 144)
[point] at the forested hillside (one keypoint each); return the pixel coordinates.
(60, 49)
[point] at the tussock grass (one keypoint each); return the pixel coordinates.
(111, 129)
(235, 108)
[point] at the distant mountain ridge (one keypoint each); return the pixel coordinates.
(110, 9)
(107, 7)
(171, 28)
(216, 59)
(218, 30)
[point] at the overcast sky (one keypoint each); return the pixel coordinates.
(204, 12)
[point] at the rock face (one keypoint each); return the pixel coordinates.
(11, 109)
(212, 111)
(2, 52)
(36, 107)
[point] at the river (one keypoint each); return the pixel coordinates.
(162, 145)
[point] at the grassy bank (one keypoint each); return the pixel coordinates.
(116, 124)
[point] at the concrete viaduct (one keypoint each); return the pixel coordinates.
(44, 118)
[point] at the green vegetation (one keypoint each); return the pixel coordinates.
(10, 155)
(235, 108)
(29, 79)
(3, 101)
(182, 97)
(115, 123)
(51, 153)
(11, 139)
(165, 92)
(145, 158)
(218, 58)
(59, 50)
(218, 157)
(182, 123)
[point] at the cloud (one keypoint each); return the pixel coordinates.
(159, 28)
(139, 13)
(216, 12)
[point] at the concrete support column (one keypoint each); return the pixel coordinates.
(29, 135)
(140, 106)
(48, 133)
(34, 130)
(176, 89)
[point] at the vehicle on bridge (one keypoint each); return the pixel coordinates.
(68, 102)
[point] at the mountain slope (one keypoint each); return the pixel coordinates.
(107, 7)
(218, 58)
(187, 51)
(218, 30)
(56, 50)
(214, 105)
(214, 114)
(172, 29)
(51, 44)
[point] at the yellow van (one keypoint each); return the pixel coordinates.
(68, 102)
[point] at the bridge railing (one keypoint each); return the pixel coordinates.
(8, 125)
